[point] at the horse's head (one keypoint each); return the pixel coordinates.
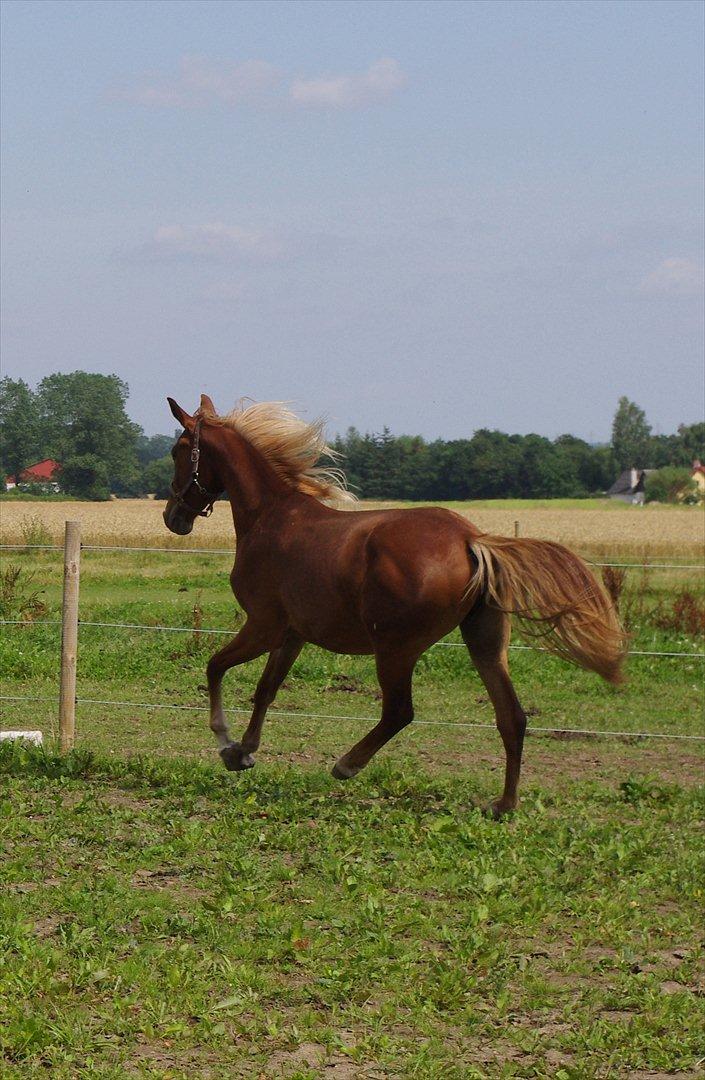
(196, 484)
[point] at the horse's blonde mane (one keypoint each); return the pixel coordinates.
(291, 446)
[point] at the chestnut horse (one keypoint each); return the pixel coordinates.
(389, 583)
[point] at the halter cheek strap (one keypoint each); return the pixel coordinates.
(193, 480)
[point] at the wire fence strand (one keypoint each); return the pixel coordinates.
(231, 551)
(531, 729)
(195, 631)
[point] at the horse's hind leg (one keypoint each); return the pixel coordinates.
(276, 670)
(486, 634)
(394, 672)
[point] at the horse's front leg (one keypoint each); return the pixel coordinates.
(394, 671)
(247, 645)
(277, 668)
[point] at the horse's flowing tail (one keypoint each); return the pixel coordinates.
(556, 598)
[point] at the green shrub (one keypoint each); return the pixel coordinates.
(158, 475)
(18, 598)
(671, 485)
(86, 475)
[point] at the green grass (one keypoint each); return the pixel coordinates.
(154, 667)
(587, 502)
(162, 918)
(167, 919)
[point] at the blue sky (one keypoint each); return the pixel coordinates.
(434, 216)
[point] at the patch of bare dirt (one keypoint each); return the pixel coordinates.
(617, 1016)
(688, 1074)
(46, 927)
(199, 1063)
(125, 801)
(348, 684)
(553, 763)
(326, 1064)
(164, 879)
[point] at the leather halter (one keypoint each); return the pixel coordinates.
(193, 481)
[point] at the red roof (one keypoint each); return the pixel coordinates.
(40, 472)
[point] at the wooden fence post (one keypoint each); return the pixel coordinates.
(69, 635)
(516, 528)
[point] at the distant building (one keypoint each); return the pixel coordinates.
(698, 477)
(629, 486)
(43, 473)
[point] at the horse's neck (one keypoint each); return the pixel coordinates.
(250, 481)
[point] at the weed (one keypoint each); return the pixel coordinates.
(18, 599)
(638, 789)
(34, 532)
(685, 614)
(613, 578)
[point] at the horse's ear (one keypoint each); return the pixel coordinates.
(207, 406)
(178, 413)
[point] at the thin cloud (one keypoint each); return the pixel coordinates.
(382, 79)
(213, 241)
(202, 82)
(674, 277)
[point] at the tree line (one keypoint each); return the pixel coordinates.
(80, 420)
(492, 464)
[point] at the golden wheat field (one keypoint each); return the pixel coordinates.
(593, 527)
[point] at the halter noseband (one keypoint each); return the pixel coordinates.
(193, 480)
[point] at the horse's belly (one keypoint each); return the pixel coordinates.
(330, 624)
(338, 643)
(339, 637)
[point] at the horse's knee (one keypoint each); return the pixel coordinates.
(400, 715)
(404, 717)
(214, 671)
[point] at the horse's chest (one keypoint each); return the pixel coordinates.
(253, 583)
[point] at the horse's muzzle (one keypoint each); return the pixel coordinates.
(176, 520)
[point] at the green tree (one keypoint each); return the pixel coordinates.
(158, 475)
(153, 447)
(18, 427)
(630, 435)
(546, 471)
(671, 485)
(85, 475)
(594, 465)
(83, 419)
(455, 467)
(494, 460)
(692, 438)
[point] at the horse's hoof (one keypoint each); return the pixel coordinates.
(234, 759)
(498, 810)
(343, 772)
